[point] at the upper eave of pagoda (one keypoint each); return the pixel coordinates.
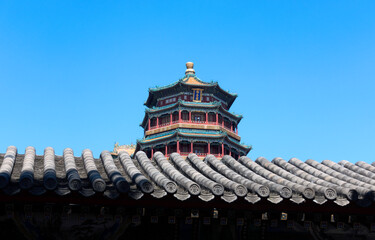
(189, 80)
(180, 102)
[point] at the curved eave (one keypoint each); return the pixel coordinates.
(238, 117)
(158, 109)
(244, 147)
(156, 89)
(155, 110)
(231, 96)
(201, 135)
(200, 104)
(142, 124)
(151, 92)
(145, 141)
(195, 104)
(197, 135)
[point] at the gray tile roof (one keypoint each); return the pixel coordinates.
(228, 179)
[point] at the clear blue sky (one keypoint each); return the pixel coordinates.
(76, 73)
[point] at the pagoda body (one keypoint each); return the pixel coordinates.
(191, 116)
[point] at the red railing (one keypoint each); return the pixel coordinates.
(199, 122)
(201, 154)
(194, 122)
(164, 124)
(198, 154)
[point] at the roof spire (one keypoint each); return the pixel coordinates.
(189, 68)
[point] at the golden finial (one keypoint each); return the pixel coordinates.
(189, 68)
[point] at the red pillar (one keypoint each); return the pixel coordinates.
(166, 149)
(171, 118)
(209, 148)
(149, 124)
(231, 127)
(222, 123)
(191, 148)
(189, 116)
(157, 122)
(179, 115)
(178, 146)
(237, 130)
(230, 152)
(152, 153)
(222, 149)
(206, 117)
(217, 119)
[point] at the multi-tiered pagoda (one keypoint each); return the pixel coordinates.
(191, 116)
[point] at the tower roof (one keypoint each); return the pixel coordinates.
(189, 80)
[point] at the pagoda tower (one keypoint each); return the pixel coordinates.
(191, 116)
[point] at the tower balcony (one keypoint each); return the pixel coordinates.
(194, 120)
(193, 125)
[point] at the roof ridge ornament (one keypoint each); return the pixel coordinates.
(189, 68)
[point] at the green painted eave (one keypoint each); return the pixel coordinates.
(185, 103)
(185, 130)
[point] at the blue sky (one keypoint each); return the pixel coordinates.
(76, 73)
